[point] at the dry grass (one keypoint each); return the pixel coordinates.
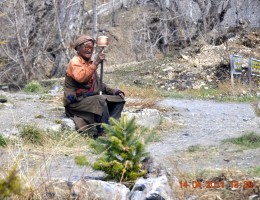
(2, 61)
(249, 140)
(88, 4)
(193, 166)
(138, 92)
(256, 108)
(143, 103)
(238, 88)
(35, 162)
(189, 184)
(57, 99)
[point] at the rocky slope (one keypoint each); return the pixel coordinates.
(197, 67)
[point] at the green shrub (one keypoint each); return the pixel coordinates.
(255, 171)
(2, 141)
(11, 185)
(121, 150)
(194, 148)
(2, 96)
(32, 134)
(251, 140)
(33, 86)
(39, 116)
(81, 160)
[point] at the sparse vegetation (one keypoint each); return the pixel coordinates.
(2, 60)
(250, 140)
(256, 108)
(203, 175)
(11, 185)
(39, 116)
(33, 87)
(165, 125)
(57, 144)
(218, 94)
(81, 160)
(32, 134)
(143, 92)
(58, 121)
(194, 148)
(46, 97)
(2, 141)
(255, 171)
(143, 103)
(2, 96)
(68, 139)
(214, 184)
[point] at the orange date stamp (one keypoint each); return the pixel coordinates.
(216, 184)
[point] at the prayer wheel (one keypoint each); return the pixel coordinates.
(102, 41)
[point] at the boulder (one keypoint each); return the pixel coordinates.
(149, 118)
(152, 189)
(96, 189)
(68, 124)
(83, 189)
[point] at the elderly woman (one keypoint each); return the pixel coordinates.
(82, 100)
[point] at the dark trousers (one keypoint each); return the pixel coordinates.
(110, 109)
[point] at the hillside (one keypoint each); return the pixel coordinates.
(138, 31)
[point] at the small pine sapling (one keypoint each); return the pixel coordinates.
(11, 185)
(121, 150)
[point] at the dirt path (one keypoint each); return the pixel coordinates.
(28, 109)
(206, 124)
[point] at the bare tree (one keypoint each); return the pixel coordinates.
(69, 15)
(18, 30)
(95, 23)
(165, 45)
(212, 14)
(37, 35)
(114, 14)
(147, 36)
(156, 31)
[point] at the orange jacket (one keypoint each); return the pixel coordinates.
(79, 70)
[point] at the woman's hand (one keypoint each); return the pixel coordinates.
(119, 93)
(100, 57)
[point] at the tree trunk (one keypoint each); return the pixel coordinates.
(165, 45)
(95, 26)
(69, 21)
(114, 14)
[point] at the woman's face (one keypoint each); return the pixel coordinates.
(85, 50)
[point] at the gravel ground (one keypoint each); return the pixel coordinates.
(207, 123)
(204, 123)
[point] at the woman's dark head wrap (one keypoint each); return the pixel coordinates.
(82, 39)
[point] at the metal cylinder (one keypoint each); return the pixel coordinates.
(102, 41)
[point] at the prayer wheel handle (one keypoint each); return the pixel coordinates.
(102, 42)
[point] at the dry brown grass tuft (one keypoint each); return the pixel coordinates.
(188, 184)
(143, 103)
(256, 108)
(237, 89)
(133, 91)
(36, 161)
